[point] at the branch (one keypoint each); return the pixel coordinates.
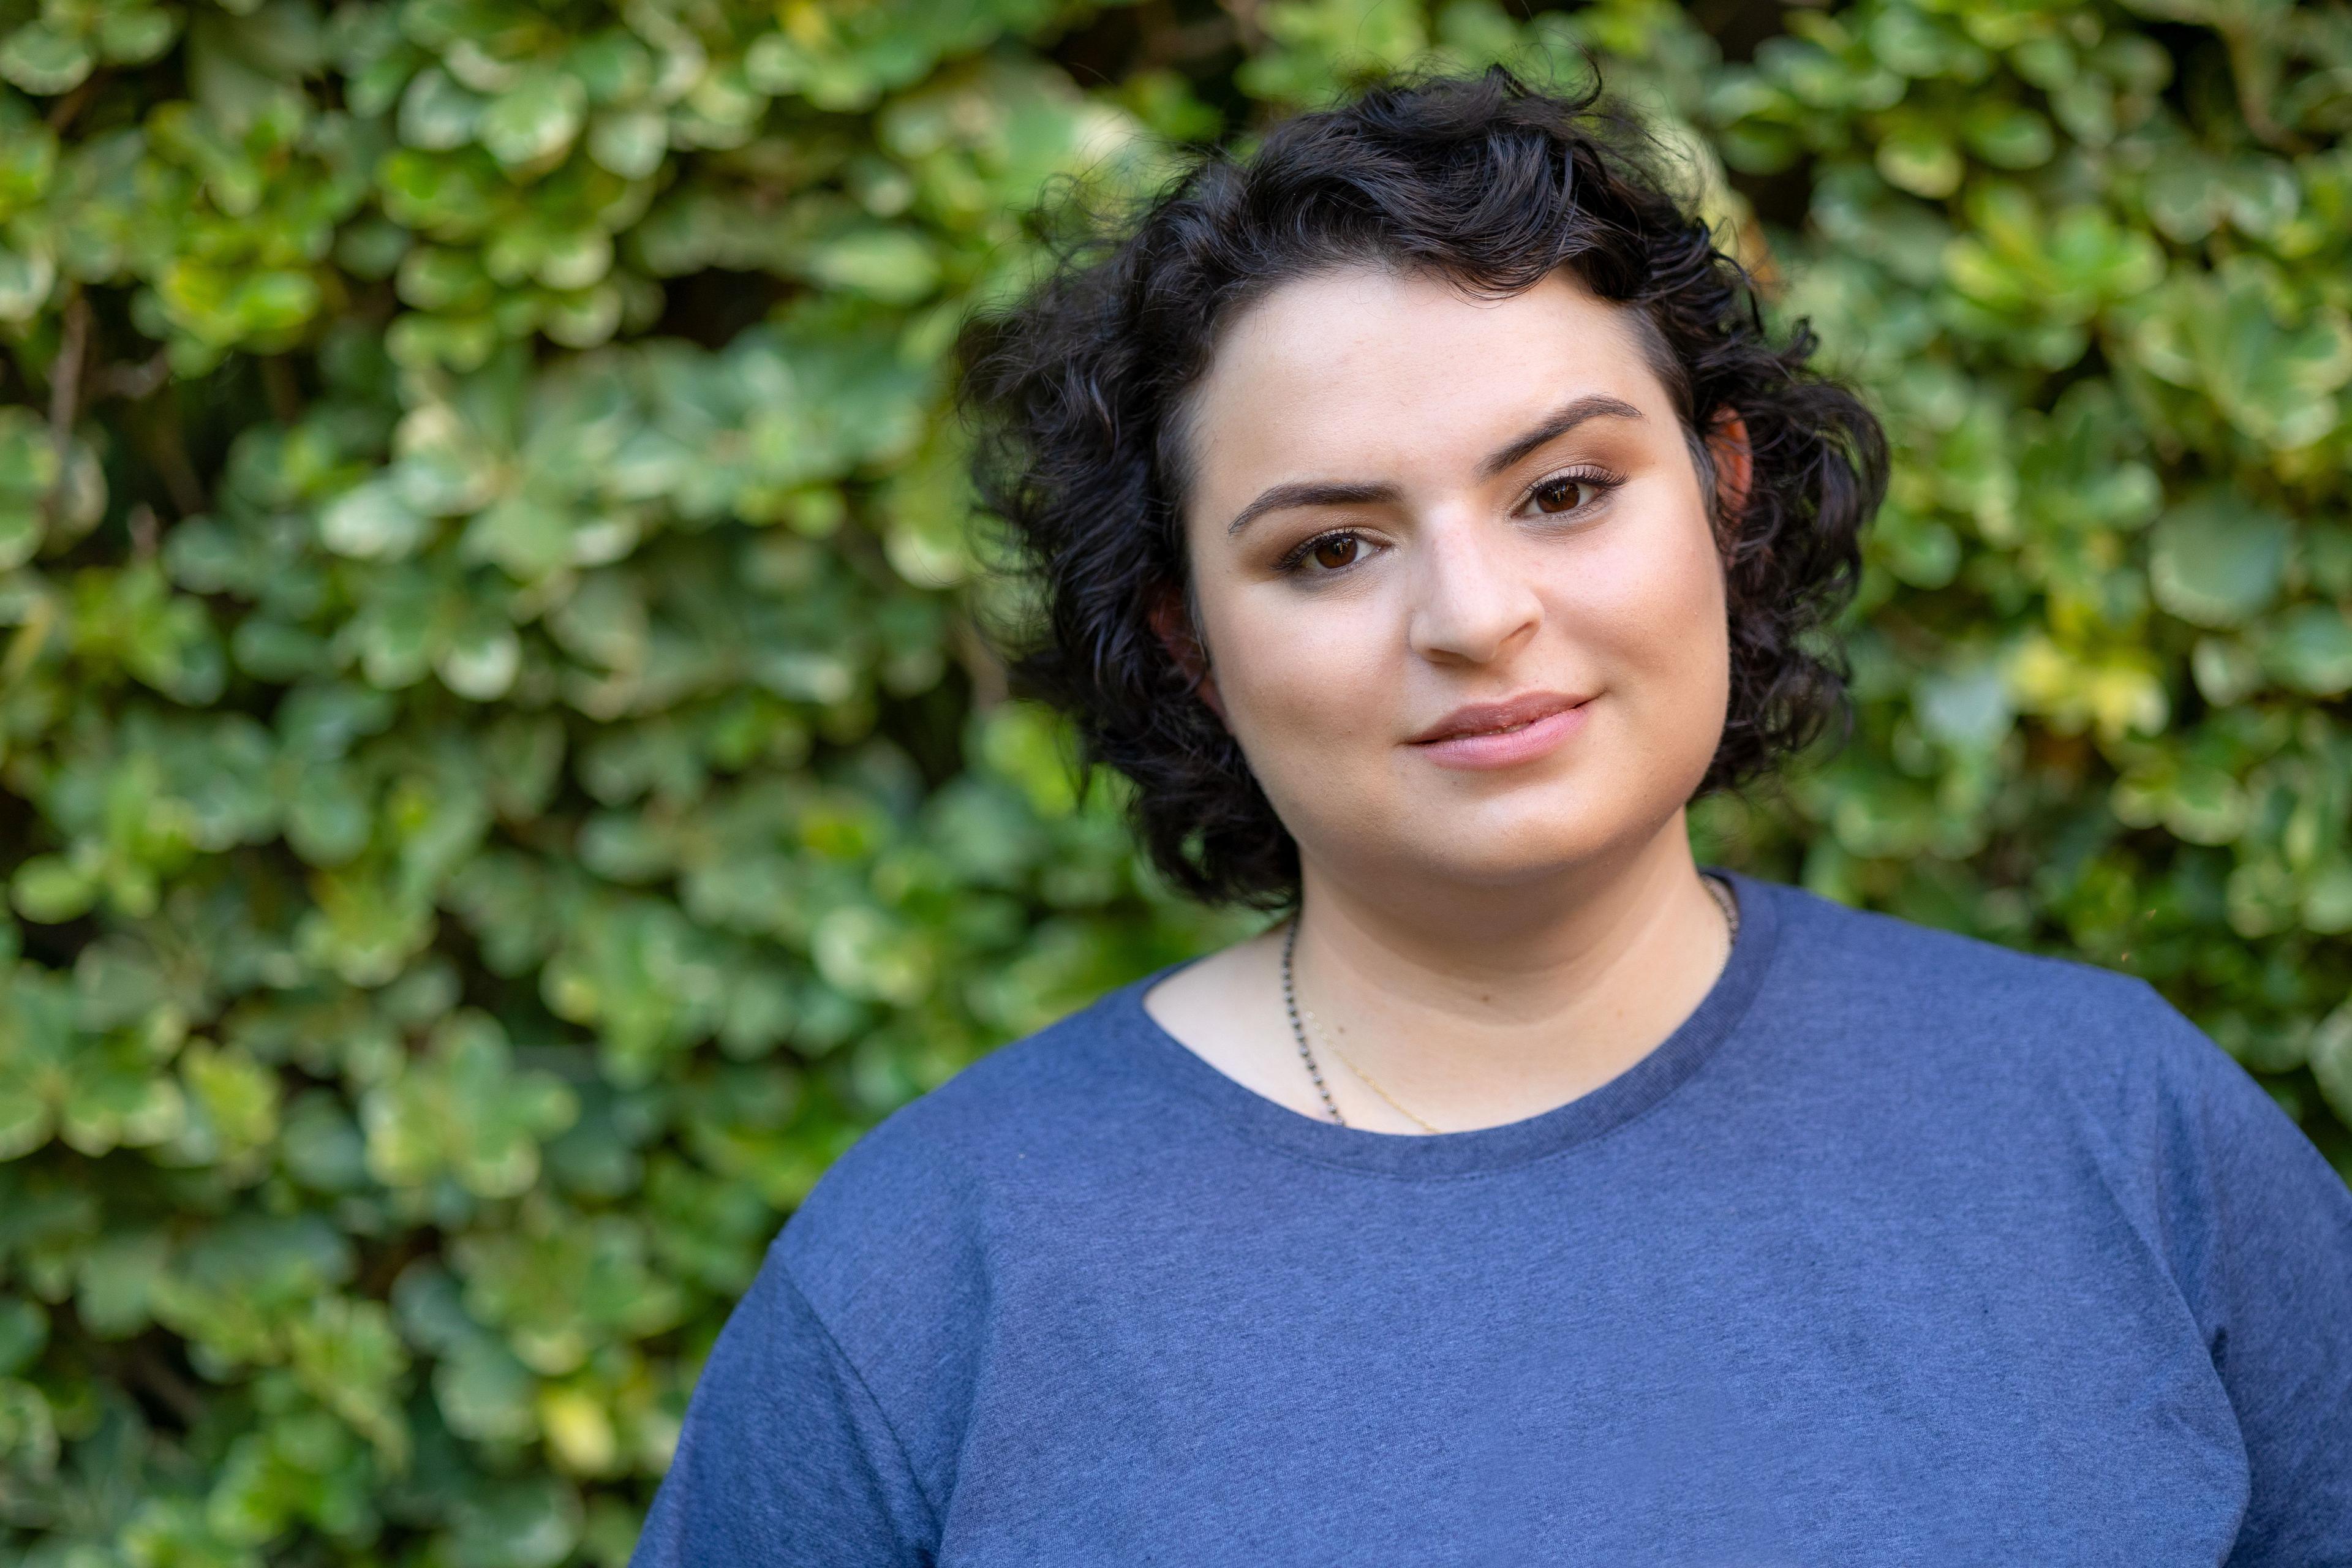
(1245, 16)
(174, 1392)
(284, 392)
(990, 683)
(137, 382)
(61, 113)
(170, 451)
(2253, 71)
(65, 396)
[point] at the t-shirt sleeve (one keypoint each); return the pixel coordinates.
(784, 1458)
(2260, 1228)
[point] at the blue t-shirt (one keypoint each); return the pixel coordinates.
(1904, 1249)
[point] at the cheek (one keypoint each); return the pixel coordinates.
(1300, 677)
(1654, 598)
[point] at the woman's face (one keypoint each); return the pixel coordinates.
(1454, 576)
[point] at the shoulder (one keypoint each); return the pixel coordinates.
(922, 1195)
(891, 1262)
(2023, 1068)
(1970, 1011)
(1832, 949)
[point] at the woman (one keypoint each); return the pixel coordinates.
(1425, 519)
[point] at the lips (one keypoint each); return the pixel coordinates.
(1484, 737)
(1497, 718)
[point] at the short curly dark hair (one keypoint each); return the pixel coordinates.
(1075, 395)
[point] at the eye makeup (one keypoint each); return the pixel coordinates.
(1602, 481)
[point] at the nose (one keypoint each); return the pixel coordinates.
(1475, 599)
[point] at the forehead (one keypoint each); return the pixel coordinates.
(1360, 372)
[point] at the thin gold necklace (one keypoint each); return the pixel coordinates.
(1370, 1081)
(1721, 893)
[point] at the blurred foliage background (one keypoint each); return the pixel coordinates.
(499, 784)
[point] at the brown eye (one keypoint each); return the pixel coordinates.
(1339, 550)
(1564, 494)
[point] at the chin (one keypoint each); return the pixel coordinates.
(1505, 832)
(1531, 835)
(1523, 860)
(1514, 850)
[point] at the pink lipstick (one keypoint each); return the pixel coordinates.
(1503, 734)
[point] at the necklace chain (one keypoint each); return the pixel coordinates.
(1290, 1001)
(1721, 894)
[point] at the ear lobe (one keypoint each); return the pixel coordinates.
(1174, 627)
(1735, 466)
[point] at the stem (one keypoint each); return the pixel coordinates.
(2253, 76)
(284, 392)
(1245, 16)
(990, 683)
(65, 395)
(172, 459)
(61, 113)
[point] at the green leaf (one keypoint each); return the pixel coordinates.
(891, 264)
(24, 1330)
(528, 1523)
(2009, 136)
(2331, 1059)
(25, 279)
(43, 60)
(2218, 560)
(2310, 648)
(629, 143)
(465, 1112)
(50, 888)
(371, 521)
(534, 120)
(437, 114)
(1920, 161)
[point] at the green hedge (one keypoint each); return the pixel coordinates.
(500, 784)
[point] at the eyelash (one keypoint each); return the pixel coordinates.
(1601, 480)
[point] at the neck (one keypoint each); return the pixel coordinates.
(1477, 1006)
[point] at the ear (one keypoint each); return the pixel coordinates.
(1173, 626)
(1735, 466)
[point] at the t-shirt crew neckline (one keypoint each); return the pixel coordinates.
(1485, 1149)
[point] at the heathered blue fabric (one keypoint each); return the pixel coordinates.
(1904, 1249)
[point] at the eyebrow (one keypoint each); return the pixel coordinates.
(1309, 492)
(1563, 419)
